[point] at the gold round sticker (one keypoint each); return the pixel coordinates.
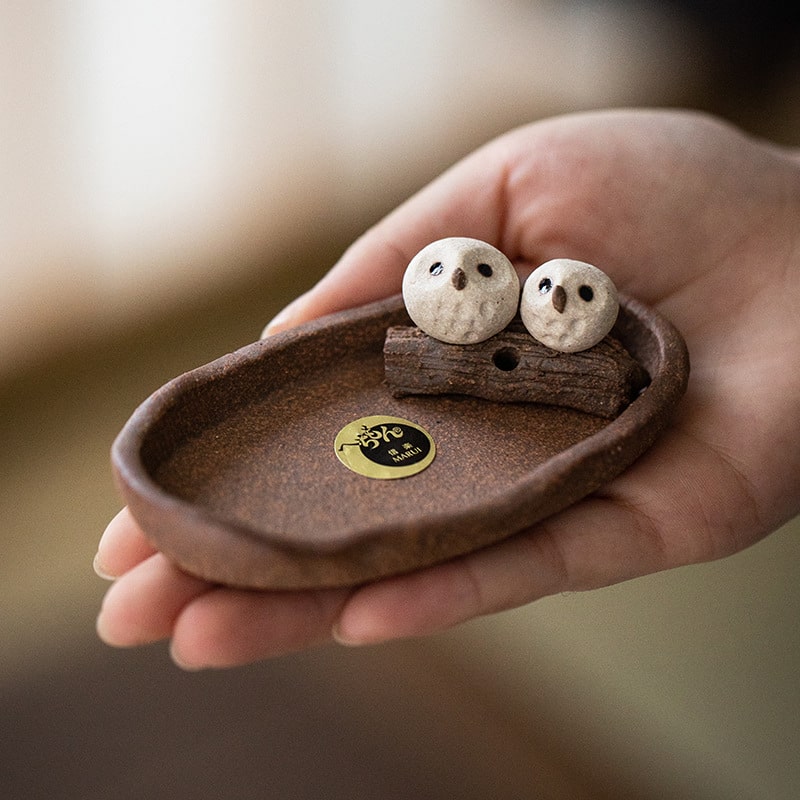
(384, 447)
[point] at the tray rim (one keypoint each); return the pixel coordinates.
(636, 427)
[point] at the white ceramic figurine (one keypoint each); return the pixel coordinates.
(568, 305)
(461, 291)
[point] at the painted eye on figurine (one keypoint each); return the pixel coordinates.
(461, 306)
(586, 293)
(545, 285)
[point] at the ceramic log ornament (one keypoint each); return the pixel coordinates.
(569, 305)
(460, 290)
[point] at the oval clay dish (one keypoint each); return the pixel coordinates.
(232, 473)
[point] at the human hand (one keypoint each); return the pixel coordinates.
(684, 213)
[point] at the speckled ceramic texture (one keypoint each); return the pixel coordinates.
(460, 290)
(568, 305)
(230, 469)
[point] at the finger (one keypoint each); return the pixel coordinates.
(655, 516)
(229, 627)
(143, 604)
(468, 200)
(121, 547)
(594, 543)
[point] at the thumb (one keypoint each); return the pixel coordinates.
(467, 200)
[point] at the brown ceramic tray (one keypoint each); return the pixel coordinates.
(230, 469)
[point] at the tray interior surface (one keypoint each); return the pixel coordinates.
(271, 466)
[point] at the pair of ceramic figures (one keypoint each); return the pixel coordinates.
(464, 291)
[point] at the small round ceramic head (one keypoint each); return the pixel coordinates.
(568, 305)
(461, 291)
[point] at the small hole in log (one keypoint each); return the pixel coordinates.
(506, 359)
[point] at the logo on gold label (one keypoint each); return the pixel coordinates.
(384, 447)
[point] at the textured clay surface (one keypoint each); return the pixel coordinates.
(512, 367)
(461, 290)
(231, 470)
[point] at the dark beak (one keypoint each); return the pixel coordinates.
(458, 279)
(559, 299)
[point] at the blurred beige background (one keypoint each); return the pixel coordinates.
(172, 174)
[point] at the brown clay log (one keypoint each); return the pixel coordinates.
(512, 367)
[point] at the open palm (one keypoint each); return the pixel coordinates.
(684, 213)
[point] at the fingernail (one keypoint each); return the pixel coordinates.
(100, 570)
(342, 638)
(182, 663)
(279, 321)
(102, 633)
